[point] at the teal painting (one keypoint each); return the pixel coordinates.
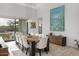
(57, 19)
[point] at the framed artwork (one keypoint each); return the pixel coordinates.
(33, 25)
(57, 19)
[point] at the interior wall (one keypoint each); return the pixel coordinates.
(71, 21)
(13, 10)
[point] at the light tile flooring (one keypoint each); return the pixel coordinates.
(11, 47)
(55, 50)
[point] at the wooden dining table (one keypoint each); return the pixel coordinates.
(33, 41)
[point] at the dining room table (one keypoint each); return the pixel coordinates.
(33, 40)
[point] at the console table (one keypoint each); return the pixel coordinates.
(58, 40)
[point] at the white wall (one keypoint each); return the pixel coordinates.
(12, 10)
(71, 21)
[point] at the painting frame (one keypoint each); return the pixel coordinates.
(33, 25)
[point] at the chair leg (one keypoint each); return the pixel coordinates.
(22, 48)
(16, 43)
(46, 52)
(27, 50)
(40, 52)
(78, 45)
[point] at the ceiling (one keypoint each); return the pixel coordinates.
(33, 5)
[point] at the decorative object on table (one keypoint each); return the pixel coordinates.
(77, 43)
(57, 19)
(33, 25)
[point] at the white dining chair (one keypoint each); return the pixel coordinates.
(32, 34)
(2, 42)
(36, 34)
(25, 43)
(20, 40)
(17, 38)
(41, 45)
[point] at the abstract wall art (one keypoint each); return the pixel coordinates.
(57, 19)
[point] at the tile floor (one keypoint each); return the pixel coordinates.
(55, 50)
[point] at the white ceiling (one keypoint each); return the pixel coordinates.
(33, 5)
